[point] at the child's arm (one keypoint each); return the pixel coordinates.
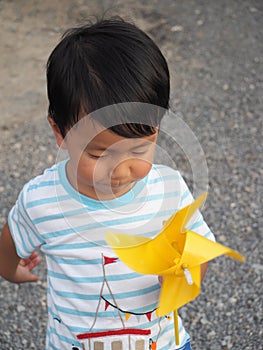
(203, 270)
(12, 267)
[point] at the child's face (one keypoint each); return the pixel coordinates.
(107, 165)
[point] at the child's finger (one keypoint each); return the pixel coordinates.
(34, 258)
(33, 263)
(33, 255)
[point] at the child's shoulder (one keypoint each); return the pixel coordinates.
(160, 170)
(44, 182)
(48, 174)
(172, 177)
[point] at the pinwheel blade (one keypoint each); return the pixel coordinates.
(198, 250)
(176, 292)
(143, 255)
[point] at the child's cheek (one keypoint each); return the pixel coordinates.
(86, 171)
(143, 168)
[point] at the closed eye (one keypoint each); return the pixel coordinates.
(138, 153)
(95, 156)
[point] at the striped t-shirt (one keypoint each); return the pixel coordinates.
(94, 300)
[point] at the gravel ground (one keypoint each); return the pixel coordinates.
(214, 50)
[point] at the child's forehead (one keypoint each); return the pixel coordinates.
(86, 126)
(108, 138)
(91, 133)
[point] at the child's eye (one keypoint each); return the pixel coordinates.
(137, 153)
(94, 156)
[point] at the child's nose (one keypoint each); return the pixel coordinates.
(121, 170)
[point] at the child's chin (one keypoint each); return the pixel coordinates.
(114, 191)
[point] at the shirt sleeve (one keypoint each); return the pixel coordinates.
(23, 231)
(197, 222)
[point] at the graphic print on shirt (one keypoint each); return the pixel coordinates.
(125, 338)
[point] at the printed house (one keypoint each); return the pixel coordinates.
(122, 339)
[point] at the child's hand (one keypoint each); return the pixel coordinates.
(12, 267)
(203, 272)
(24, 268)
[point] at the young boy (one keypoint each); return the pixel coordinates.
(108, 89)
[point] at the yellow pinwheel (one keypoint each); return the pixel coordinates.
(176, 254)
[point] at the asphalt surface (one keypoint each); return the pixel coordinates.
(214, 50)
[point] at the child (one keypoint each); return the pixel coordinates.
(108, 89)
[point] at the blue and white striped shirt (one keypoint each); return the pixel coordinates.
(89, 290)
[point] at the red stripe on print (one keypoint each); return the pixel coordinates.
(114, 332)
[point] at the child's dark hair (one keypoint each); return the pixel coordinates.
(106, 63)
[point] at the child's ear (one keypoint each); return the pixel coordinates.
(57, 133)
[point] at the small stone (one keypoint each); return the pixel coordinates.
(2, 189)
(7, 334)
(225, 87)
(17, 145)
(233, 300)
(248, 189)
(204, 321)
(42, 148)
(50, 158)
(249, 229)
(200, 22)
(20, 308)
(211, 335)
(177, 28)
(258, 267)
(220, 306)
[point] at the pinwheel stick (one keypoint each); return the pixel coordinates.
(176, 327)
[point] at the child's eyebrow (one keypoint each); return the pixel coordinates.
(97, 148)
(142, 145)
(103, 148)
